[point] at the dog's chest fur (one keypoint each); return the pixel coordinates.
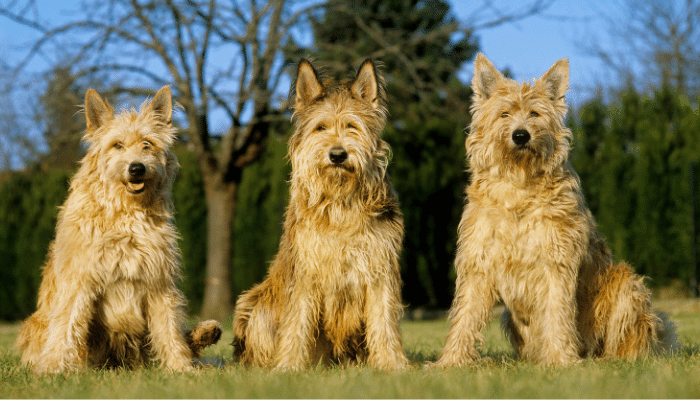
(130, 254)
(518, 231)
(338, 260)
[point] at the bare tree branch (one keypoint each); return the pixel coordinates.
(650, 44)
(477, 21)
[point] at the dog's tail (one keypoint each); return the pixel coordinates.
(630, 328)
(204, 334)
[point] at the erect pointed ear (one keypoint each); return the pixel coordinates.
(307, 86)
(162, 105)
(366, 84)
(97, 111)
(486, 78)
(556, 80)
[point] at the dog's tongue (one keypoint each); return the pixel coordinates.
(136, 186)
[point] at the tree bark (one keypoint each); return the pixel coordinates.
(218, 285)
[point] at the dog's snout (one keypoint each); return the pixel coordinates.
(137, 170)
(338, 155)
(521, 137)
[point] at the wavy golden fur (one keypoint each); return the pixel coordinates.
(333, 291)
(526, 237)
(108, 295)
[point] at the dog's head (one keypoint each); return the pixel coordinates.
(337, 148)
(131, 150)
(518, 127)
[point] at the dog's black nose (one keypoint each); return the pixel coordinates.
(338, 155)
(137, 169)
(521, 137)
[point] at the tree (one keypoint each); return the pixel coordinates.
(634, 156)
(222, 58)
(651, 44)
(63, 125)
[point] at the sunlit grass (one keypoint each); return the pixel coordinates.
(498, 376)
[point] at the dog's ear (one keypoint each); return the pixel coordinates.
(307, 86)
(366, 84)
(556, 80)
(97, 111)
(486, 78)
(162, 105)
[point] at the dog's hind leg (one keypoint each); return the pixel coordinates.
(32, 337)
(511, 331)
(66, 345)
(255, 328)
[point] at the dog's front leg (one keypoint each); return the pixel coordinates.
(469, 314)
(165, 320)
(553, 337)
(298, 324)
(383, 311)
(66, 346)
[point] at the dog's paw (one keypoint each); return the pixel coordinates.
(204, 334)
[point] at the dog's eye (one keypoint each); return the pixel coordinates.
(319, 128)
(505, 114)
(147, 144)
(534, 114)
(352, 126)
(118, 145)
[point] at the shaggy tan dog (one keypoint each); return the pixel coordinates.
(108, 294)
(333, 290)
(527, 237)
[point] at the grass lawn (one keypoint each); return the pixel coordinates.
(499, 375)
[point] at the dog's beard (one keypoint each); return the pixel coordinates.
(339, 177)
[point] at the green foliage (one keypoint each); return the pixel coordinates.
(428, 172)
(634, 158)
(28, 208)
(191, 222)
(262, 201)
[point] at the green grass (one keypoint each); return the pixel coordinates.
(498, 376)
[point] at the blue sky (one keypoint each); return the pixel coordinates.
(528, 47)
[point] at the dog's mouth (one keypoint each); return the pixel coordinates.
(344, 166)
(135, 186)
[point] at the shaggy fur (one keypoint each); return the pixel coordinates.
(108, 296)
(527, 237)
(333, 291)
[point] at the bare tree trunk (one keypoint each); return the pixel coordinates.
(218, 285)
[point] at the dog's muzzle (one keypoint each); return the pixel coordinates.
(136, 183)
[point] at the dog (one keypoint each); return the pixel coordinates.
(527, 237)
(109, 295)
(332, 293)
